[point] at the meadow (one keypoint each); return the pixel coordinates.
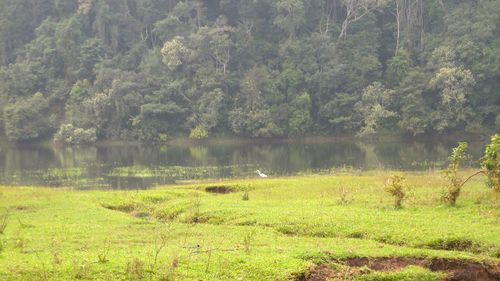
(340, 226)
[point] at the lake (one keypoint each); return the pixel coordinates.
(138, 166)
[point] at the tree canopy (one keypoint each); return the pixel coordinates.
(152, 69)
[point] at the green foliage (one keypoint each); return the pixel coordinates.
(396, 187)
(454, 85)
(374, 108)
(198, 133)
(67, 133)
(454, 181)
(410, 273)
(143, 69)
(398, 67)
(27, 119)
(174, 52)
(491, 162)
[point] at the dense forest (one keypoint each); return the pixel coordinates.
(83, 70)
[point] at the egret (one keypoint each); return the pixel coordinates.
(262, 175)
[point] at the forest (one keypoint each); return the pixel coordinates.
(80, 71)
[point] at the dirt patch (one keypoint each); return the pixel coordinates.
(454, 270)
(221, 189)
(325, 272)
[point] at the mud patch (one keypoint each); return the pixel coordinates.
(454, 270)
(220, 189)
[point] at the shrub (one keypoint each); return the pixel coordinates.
(71, 135)
(455, 183)
(396, 187)
(199, 133)
(491, 162)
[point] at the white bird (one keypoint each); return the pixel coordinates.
(262, 175)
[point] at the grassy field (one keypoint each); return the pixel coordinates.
(328, 227)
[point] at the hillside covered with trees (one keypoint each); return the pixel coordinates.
(84, 70)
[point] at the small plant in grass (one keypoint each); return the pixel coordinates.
(396, 187)
(455, 183)
(20, 243)
(344, 196)
(82, 269)
(245, 196)
(491, 162)
(160, 243)
(102, 256)
(135, 269)
(2, 245)
(169, 273)
(248, 240)
(4, 220)
(196, 216)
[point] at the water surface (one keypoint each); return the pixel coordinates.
(144, 165)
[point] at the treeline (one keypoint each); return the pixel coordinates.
(84, 70)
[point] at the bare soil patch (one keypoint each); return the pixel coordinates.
(455, 270)
(221, 189)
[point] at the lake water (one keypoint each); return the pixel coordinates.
(133, 166)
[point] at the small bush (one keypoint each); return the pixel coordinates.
(455, 183)
(491, 162)
(396, 187)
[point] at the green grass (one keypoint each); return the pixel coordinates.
(411, 273)
(182, 232)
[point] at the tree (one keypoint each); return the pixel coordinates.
(453, 85)
(414, 110)
(291, 16)
(374, 108)
(397, 68)
(356, 10)
(26, 119)
(251, 116)
(174, 52)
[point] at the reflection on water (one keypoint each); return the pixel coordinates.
(142, 166)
